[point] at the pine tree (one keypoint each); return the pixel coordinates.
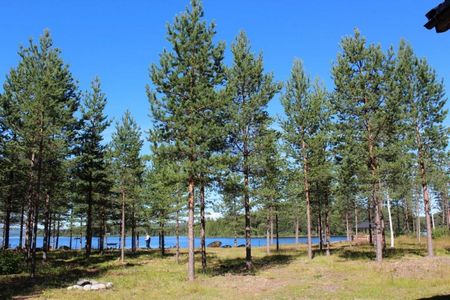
(250, 90)
(362, 76)
(128, 169)
(305, 109)
(423, 96)
(185, 105)
(91, 168)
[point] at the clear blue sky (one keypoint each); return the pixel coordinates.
(118, 40)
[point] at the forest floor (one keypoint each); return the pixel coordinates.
(348, 273)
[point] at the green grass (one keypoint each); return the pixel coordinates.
(348, 273)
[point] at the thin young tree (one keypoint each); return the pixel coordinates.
(91, 168)
(250, 89)
(128, 168)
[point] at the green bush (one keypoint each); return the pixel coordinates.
(440, 231)
(11, 262)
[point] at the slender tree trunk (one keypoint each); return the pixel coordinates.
(47, 221)
(30, 208)
(276, 230)
(307, 196)
(373, 167)
(133, 229)
(89, 221)
(418, 229)
(356, 221)
(203, 226)
(407, 217)
(177, 233)
(369, 216)
(122, 234)
(347, 227)
(248, 241)
(71, 229)
(7, 220)
(22, 213)
(319, 228)
(81, 233)
(36, 206)
(432, 221)
(391, 227)
(163, 248)
(271, 225)
(296, 229)
(268, 233)
(426, 197)
(57, 234)
(327, 224)
(102, 230)
(191, 261)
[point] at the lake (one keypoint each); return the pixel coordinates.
(170, 241)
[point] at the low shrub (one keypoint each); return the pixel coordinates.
(441, 231)
(11, 262)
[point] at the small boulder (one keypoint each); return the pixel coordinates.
(70, 288)
(226, 246)
(215, 244)
(87, 287)
(109, 285)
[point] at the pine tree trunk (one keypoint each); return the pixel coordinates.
(46, 244)
(36, 207)
(296, 229)
(22, 213)
(407, 215)
(327, 224)
(369, 217)
(163, 247)
(373, 167)
(71, 229)
(347, 227)
(102, 230)
(81, 233)
(89, 221)
(320, 229)
(307, 196)
(122, 234)
(203, 227)
(276, 230)
(418, 229)
(57, 234)
(271, 225)
(133, 229)
(268, 233)
(356, 221)
(7, 220)
(391, 227)
(248, 241)
(191, 261)
(426, 197)
(177, 233)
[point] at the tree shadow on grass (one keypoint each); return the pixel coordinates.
(62, 269)
(367, 252)
(236, 266)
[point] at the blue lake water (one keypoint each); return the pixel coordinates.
(170, 241)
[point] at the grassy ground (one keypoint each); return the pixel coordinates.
(348, 274)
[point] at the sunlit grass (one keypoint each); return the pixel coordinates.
(348, 273)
